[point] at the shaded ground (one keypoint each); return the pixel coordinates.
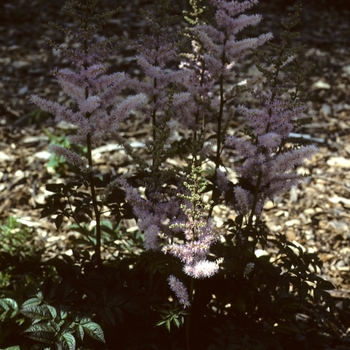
(316, 214)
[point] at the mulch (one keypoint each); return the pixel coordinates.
(314, 215)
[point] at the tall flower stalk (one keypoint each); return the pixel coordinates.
(98, 108)
(215, 50)
(157, 54)
(269, 166)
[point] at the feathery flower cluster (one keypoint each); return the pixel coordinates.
(93, 96)
(215, 50)
(198, 237)
(180, 290)
(157, 53)
(153, 216)
(197, 230)
(270, 164)
(98, 108)
(267, 165)
(193, 253)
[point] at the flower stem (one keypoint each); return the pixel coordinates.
(188, 318)
(94, 202)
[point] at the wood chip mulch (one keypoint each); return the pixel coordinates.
(315, 215)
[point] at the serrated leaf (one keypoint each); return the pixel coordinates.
(13, 304)
(94, 331)
(4, 305)
(109, 315)
(63, 314)
(31, 302)
(41, 337)
(52, 310)
(69, 340)
(37, 312)
(40, 327)
(81, 332)
(84, 320)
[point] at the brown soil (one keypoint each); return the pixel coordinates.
(315, 214)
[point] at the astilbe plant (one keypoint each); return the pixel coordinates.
(269, 163)
(224, 288)
(98, 109)
(215, 50)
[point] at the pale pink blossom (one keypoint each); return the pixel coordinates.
(151, 238)
(244, 199)
(202, 269)
(62, 113)
(270, 140)
(180, 291)
(222, 181)
(70, 156)
(90, 105)
(234, 7)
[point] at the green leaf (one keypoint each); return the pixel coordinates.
(52, 310)
(108, 230)
(40, 327)
(81, 332)
(107, 224)
(31, 302)
(55, 188)
(94, 331)
(160, 323)
(69, 340)
(108, 315)
(41, 337)
(8, 304)
(37, 312)
(4, 305)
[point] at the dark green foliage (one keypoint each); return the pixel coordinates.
(172, 314)
(72, 201)
(271, 305)
(21, 273)
(56, 326)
